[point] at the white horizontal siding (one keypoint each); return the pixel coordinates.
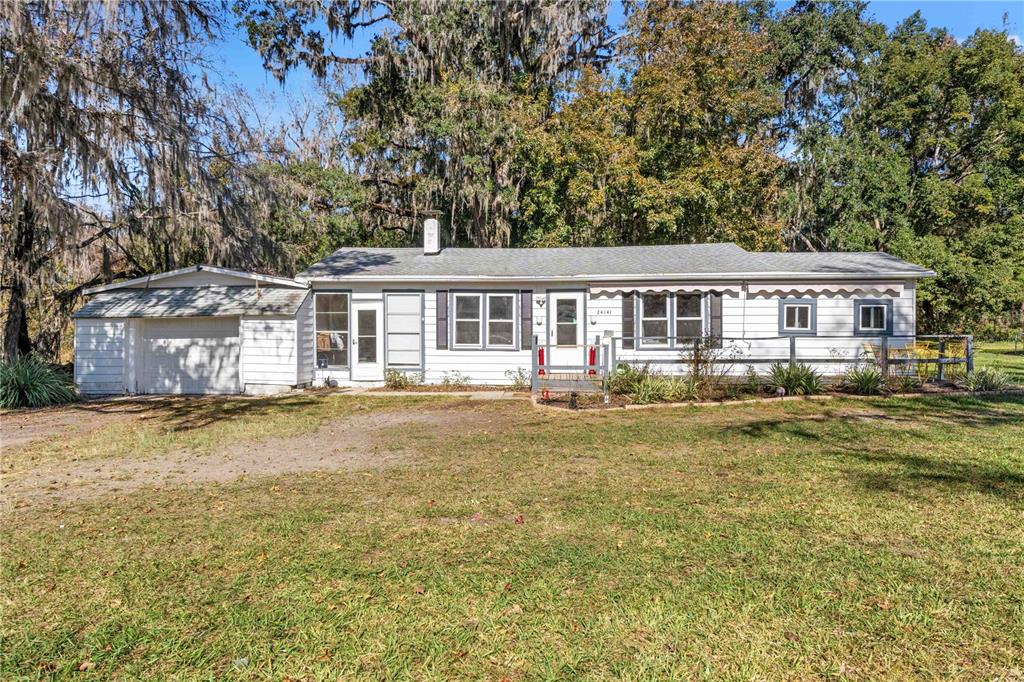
(479, 366)
(752, 323)
(269, 351)
(99, 356)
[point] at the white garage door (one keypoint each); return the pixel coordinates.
(190, 355)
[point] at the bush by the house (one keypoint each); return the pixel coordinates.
(989, 379)
(519, 378)
(905, 383)
(27, 381)
(796, 379)
(864, 380)
(398, 380)
(626, 378)
(658, 388)
(454, 379)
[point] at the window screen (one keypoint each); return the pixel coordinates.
(331, 320)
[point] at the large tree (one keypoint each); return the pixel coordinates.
(443, 98)
(678, 148)
(114, 160)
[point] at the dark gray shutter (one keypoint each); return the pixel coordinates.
(628, 323)
(442, 319)
(716, 320)
(526, 319)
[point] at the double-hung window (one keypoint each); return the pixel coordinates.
(654, 317)
(798, 317)
(331, 330)
(501, 327)
(689, 321)
(484, 320)
(469, 320)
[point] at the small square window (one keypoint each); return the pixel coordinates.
(798, 317)
(872, 317)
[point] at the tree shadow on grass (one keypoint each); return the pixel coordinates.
(892, 469)
(918, 476)
(183, 413)
(971, 412)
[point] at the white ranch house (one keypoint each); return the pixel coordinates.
(480, 315)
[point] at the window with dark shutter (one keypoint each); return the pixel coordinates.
(442, 320)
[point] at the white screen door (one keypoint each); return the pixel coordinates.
(367, 341)
(566, 329)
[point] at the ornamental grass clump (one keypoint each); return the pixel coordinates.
(27, 381)
(795, 379)
(988, 379)
(864, 381)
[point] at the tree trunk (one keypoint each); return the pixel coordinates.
(16, 339)
(15, 333)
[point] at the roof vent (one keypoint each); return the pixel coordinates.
(431, 237)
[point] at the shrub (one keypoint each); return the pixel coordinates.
(684, 388)
(27, 381)
(398, 380)
(455, 379)
(796, 379)
(626, 378)
(520, 378)
(864, 380)
(988, 379)
(753, 385)
(904, 383)
(653, 388)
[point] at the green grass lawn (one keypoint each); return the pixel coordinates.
(1003, 356)
(847, 539)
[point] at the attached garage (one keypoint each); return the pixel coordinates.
(190, 355)
(194, 331)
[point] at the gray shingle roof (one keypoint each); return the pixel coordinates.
(209, 301)
(700, 261)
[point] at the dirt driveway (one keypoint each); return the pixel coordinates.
(360, 441)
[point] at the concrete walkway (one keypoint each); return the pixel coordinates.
(469, 395)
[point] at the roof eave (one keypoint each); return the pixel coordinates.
(130, 283)
(732, 276)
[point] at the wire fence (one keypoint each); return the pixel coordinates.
(585, 367)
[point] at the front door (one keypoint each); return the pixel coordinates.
(368, 341)
(567, 329)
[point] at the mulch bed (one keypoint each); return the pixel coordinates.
(441, 388)
(595, 401)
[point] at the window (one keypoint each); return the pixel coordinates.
(654, 319)
(331, 321)
(501, 328)
(468, 320)
(872, 317)
(566, 316)
(689, 322)
(798, 317)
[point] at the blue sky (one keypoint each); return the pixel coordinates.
(237, 64)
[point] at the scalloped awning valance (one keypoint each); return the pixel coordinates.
(656, 287)
(826, 289)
